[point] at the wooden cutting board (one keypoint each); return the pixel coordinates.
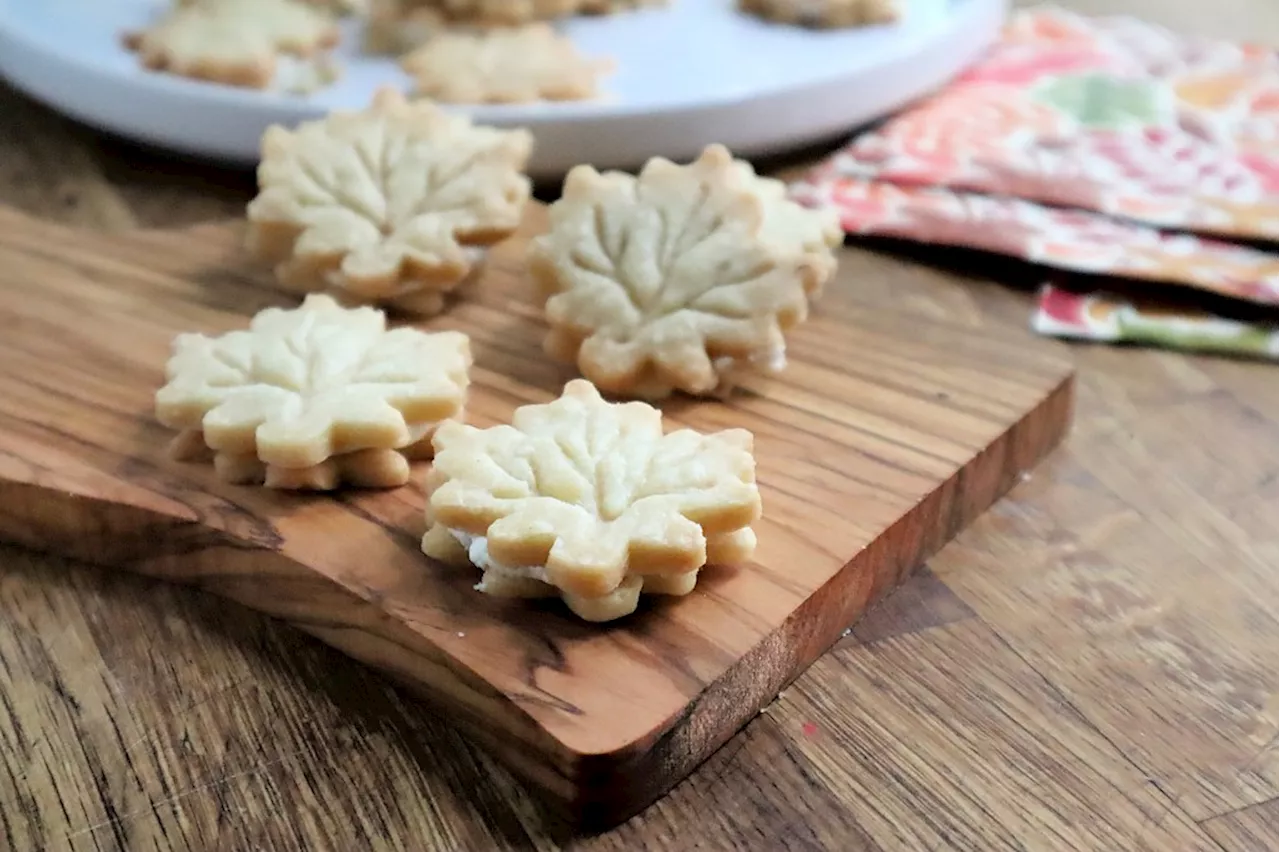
(882, 439)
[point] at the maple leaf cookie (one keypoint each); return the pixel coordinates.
(670, 280)
(611, 7)
(394, 205)
(338, 7)
(504, 12)
(825, 14)
(238, 42)
(517, 12)
(519, 65)
(313, 397)
(395, 26)
(343, 7)
(398, 26)
(591, 501)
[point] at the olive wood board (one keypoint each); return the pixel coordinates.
(883, 438)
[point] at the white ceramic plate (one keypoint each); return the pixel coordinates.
(692, 73)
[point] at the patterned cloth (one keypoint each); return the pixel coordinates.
(1097, 316)
(1079, 143)
(1064, 238)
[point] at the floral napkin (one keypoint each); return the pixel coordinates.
(1064, 238)
(1107, 146)
(1061, 312)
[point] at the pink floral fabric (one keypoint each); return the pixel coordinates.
(1112, 115)
(1068, 239)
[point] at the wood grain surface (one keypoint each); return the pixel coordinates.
(1090, 666)
(886, 436)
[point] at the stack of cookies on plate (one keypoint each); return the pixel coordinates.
(459, 51)
(455, 51)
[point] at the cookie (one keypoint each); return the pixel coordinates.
(313, 397)
(338, 7)
(396, 26)
(371, 468)
(669, 280)
(237, 42)
(515, 12)
(611, 7)
(504, 12)
(590, 501)
(343, 7)
(825, 14)
(394, 205)
(506, 65)
(359, 469)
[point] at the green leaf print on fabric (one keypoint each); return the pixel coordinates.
(1100, 100)
(1198, 334)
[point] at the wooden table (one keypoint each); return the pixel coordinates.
(1091, 666)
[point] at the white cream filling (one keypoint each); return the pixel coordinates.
(771, 360)
(477, 547)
